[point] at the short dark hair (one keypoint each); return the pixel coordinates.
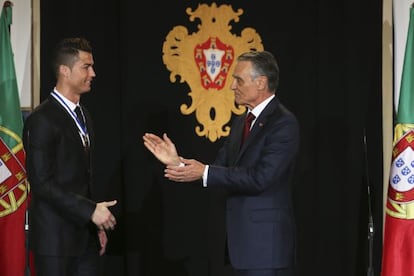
(264, 64)
(67, 52)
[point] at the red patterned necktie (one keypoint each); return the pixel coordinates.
(247, 124)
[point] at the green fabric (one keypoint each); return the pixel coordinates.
(406, 100)
(11, 120)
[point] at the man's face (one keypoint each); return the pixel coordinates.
(81, 74)
(244, 87)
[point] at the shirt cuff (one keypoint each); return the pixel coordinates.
(205, 176)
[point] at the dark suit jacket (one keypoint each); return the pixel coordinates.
(59, 173)
(259, 214)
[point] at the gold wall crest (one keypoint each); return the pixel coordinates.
(205, 60)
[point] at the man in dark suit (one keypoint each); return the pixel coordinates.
(255, 173)
(67, 227)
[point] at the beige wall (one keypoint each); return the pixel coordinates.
(23, 34)
(387, 90)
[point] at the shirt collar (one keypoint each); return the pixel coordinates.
(69, 103)
(259, 108)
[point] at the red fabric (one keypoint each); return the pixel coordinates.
(247, 124)
(12, 244)
(398, 248)
(13, 252)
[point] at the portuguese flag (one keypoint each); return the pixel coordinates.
(398, 248)
(13, 182)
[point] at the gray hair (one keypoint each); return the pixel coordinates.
(264, 64)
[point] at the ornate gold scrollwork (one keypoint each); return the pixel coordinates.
(204, 61)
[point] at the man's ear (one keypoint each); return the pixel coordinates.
(64, 70)
(260, 82)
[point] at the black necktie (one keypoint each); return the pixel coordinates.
(85, 137)
(79, 114)
(247, 124)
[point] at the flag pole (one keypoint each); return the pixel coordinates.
(370, 269)
(26, 231)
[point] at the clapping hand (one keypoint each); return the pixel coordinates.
(163, 149)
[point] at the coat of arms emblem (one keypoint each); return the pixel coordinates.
(204, 60)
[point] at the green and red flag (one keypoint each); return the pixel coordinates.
(14, 188)
(398, 246)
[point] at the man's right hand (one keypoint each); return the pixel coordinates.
(102, 217)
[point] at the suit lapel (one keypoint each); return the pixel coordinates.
(234, 139)
(264, 117)
(72, 129)
(269, 113)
